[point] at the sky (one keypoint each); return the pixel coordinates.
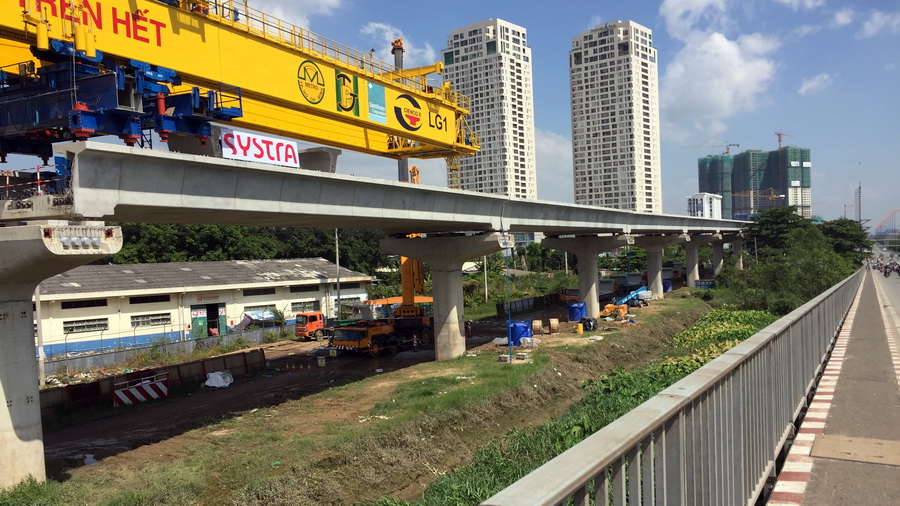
(824, 72)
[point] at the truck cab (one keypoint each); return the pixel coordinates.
(310, 325)
(569, 295)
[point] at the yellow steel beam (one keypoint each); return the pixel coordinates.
(298, 84)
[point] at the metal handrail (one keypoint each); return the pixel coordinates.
(712, 437)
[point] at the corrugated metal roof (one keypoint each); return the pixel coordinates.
(163, 277)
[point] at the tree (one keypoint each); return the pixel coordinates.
(793, 267)
(769, 230)
(848, 238)
(150, 243)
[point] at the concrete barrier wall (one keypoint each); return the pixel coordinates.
(59, 400)
(119, 357)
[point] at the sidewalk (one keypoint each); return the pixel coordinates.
(847, 450)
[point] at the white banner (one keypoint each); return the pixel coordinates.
(259, 148)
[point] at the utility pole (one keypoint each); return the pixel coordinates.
(337, 268)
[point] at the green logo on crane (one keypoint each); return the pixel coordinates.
(347, 88)
(311, 82)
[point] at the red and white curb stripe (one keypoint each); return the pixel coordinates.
(141, 392)
(791, 485)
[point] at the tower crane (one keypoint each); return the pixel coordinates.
(76, 69)
(780, 135)
(781, 180)
(727, 147)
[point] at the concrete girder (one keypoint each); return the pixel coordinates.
(692, 255)
(586, 248)
(117, 183)
(654, 245)
(31, 254)
(445, 256)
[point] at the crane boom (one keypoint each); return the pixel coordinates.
(293, 82)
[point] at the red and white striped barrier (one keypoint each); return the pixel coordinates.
(140, 390)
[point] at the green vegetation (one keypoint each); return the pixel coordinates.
(153, 243)
(791, 261)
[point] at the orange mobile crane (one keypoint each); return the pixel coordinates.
(75, 69)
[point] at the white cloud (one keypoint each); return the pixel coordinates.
(554, 167)
(804, 30)
(842, 17)
(881, 22)
(802, 4)
(713, 78)
(596, 20)
(298, 12)
(682, 16)
(816, 84)
(381, 35)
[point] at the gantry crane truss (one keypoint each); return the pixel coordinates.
(74, 69)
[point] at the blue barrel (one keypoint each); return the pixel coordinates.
(518, 330)
(577, 311)
(667, 285)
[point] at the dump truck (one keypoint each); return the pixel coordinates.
(390, 335)
(311, 325)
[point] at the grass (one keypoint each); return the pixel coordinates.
(473, 378)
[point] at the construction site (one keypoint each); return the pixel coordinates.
(75, 71)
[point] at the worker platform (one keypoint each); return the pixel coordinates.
(847, 448)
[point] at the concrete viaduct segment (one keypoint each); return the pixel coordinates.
(118, 183)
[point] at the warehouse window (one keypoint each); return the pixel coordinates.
(148, 320)
(93, 325)
(259, 291)
(304, 288)
(248, 309)
(149, 299)
(76, 304)
(348, 285)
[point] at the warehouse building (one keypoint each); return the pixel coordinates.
(104, 307)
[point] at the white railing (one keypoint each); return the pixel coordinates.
(711, 438)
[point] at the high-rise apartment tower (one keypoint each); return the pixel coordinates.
(490, 62)
(615, 117)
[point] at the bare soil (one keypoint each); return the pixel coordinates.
(161, 431)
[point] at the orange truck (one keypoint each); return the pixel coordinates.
(310, 325)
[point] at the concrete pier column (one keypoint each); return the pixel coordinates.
(586, 248)
(692, 255)
(31, 254)
(654, 271)
(445, 256)
(692, 263)
(737, 249)
(718, 257)
(653, 245)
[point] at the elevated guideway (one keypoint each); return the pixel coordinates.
(118, 183)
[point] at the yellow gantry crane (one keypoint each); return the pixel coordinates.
(292, 82)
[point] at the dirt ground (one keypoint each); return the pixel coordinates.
(160, 431)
